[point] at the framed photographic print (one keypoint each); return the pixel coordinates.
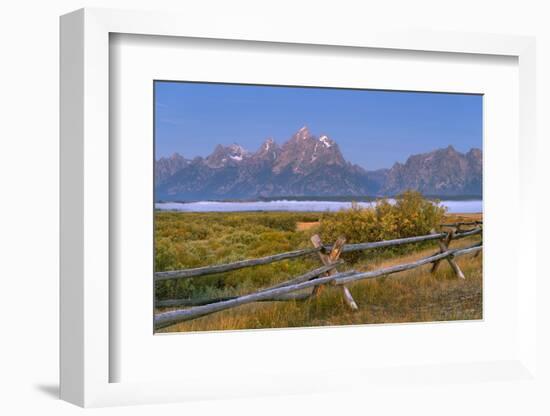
(302, 196)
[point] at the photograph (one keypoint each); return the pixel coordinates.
(294, 207)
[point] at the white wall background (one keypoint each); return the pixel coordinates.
(29, 210)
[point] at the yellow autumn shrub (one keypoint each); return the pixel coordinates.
(410, 214)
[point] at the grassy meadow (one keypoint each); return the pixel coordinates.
(188, 240)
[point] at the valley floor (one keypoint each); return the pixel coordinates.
(411, 296)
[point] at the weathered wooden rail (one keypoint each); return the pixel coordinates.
(222, 268)
(168, 318)
(461, 224)
(313, 281)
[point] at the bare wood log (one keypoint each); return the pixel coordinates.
(407, 266)
(309, 275)
(348, 298)
(390, 243)
(457, 252)
(316, 241)
(336, 250)
(455, 267)
(168, 318)
(457, 224)
(407, 240)
(302, 278)
(443, 246)
(168, 303)
(468, 233)
(199, 302)
(221, 268)
(327, 259)
(479, 252)
(450, 259)
(289, 297)
(331, 258)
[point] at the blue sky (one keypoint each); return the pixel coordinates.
(374, 129)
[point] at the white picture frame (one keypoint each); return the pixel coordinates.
(86, 355)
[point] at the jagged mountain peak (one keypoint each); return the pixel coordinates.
(237, 149)
(449, 150)
(268, 144)
(167, 166)
(176, 156)
(304, 153)
(302, 134)
(268, 152)
(226, 155)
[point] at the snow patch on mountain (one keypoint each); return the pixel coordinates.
(326, 141)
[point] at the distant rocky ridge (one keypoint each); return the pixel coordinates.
(307, 165)
(444, 172)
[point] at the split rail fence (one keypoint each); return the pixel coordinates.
(316, 279)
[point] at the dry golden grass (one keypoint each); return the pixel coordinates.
(411, 296)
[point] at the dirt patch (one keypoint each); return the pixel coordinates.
(463, 217)
(303, 226)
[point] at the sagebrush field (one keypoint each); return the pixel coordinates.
(189, 240)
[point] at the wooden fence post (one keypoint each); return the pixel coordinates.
(328, 260)
(443, 247)
(479, 252)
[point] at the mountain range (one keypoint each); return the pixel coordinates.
(311, 166)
